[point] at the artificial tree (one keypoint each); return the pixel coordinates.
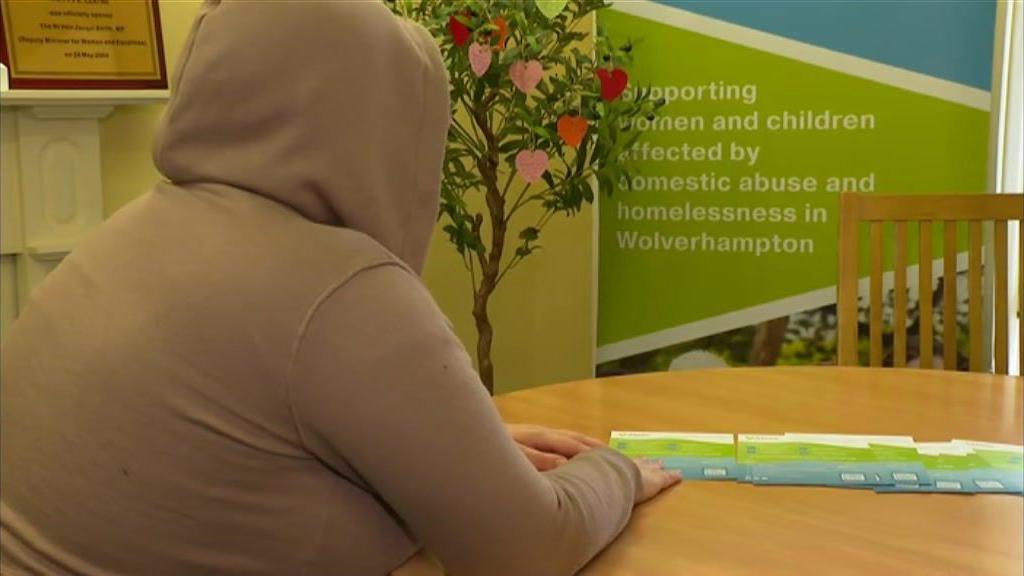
(539, 117)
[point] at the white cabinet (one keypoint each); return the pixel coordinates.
(51, 189)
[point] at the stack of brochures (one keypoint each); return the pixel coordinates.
(885, 464)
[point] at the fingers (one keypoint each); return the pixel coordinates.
(669, 477)
(672, 477)
(649, 463)
(587, 440)
(542, 461)
(565, 443)
(655, 478)
(559, 443)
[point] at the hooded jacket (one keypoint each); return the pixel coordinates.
(241, 372)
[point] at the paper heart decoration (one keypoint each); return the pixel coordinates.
(479, 58)
(458, 30)
(572, 129)
(502, 32)
(531, 164)
(613, 83)
(551, 8)
(526, 74)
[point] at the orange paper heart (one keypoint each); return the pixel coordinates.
(502, 32)
(572, 129)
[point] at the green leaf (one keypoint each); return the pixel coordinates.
(548, 179)
(529, 234)
(511, 146)
(544, 133)
(588, 192)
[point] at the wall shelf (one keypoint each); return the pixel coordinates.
(75, 98)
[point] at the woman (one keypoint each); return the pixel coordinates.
(241, 371)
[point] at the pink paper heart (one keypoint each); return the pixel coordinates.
(526, 74)
(531, 164)
(479, 58)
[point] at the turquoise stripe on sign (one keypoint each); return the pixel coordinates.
(948, 39)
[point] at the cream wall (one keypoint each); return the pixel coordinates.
(542, 313)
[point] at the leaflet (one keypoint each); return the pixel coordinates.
(895, 458)
(883, 463)
(951, 467)
(750, 448)
(815, 459)
(700, 456)
(1003, 469)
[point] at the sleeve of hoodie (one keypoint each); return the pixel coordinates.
(380, 381)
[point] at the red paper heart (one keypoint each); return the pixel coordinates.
(572, 129)
(458, 30)
(613, 83)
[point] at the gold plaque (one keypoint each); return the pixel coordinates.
(82, 44)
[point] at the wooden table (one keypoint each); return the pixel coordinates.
(726, 528)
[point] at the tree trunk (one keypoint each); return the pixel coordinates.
(485, 336)
(768, 340)
(490, 269)
(490, 264)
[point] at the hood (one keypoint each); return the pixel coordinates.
(337, 109)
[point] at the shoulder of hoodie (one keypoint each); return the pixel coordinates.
(290, 245)
(336, 252)
(331, 257)
(337, 256)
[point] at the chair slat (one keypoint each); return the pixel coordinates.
(926, 333)
(949, 296)
(875, 322)
(975, 301)
(941, 206)
(1002, 289)
(847, 296)
(899, 318)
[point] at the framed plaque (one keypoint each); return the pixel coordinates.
(76, 44)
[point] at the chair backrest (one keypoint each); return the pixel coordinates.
(928, 211)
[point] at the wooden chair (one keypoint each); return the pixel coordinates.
(928, 211)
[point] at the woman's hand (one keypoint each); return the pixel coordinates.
(654, 478)
(547, 448)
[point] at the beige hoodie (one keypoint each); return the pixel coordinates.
(241, 373)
